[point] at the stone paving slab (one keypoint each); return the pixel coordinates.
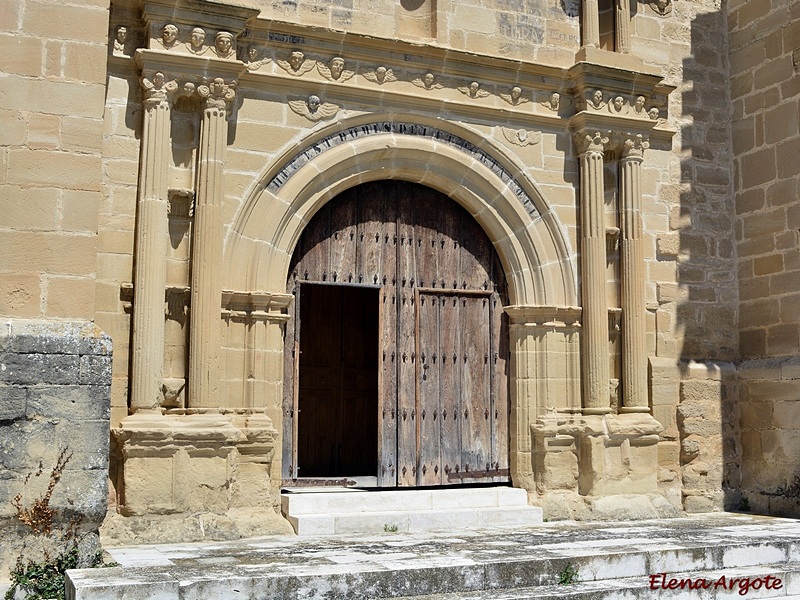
(395, 565)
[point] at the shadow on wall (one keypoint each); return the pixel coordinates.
(703, 305)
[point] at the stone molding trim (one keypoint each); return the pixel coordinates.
(406, 129)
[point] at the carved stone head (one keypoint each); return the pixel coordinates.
(223, 41)
(516, 92)
(158, 80)
(169, 34)
(197, 38)
(428, 79)
(619, 102)
(337, 66)
(296, 59)
(555, 100)
(597, 97)
(121, 35)
(653, 113)
(313, 103)
(252, 53)
(380, 73)
(639, 104)
(473, 88)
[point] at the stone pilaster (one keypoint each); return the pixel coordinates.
(150, 278)
(590, 22)
(622, 25)
(206, 295)
(596, 367)
(634, 329)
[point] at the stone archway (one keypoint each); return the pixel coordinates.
(490, 185)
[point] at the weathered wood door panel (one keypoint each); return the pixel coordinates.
(440, 369)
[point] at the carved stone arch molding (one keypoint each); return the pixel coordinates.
(454, 160)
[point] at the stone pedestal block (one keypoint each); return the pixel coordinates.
(191, 463)
(618, 455)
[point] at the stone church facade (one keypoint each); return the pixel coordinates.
(409, 244)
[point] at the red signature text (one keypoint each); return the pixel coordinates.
(744, 585)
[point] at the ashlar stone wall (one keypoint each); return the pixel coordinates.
(765, 89)
(54, 362)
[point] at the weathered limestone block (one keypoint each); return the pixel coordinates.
(55, 386)
(707, 422)
(618, 454)
(211, 471)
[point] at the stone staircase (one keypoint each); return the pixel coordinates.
(609, 560)
(321, 511)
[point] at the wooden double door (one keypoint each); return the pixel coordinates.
(396, 349)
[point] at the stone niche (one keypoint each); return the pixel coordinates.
(210, 467)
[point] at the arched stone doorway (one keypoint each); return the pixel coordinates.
(397, 349)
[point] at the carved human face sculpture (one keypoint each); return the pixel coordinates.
(296, 59)
(555, 99)
(516, 92)
(169, 34)
(639, 105)
(158, 80)
(597, 97)
(252, 53)
(122, 35)
(619, 102)
(313, 103)
(224, 42)
(337, 66)
(428, 79)
(653, 113)
(474, 87)
(197, 39)
(380, 73)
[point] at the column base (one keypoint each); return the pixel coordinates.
(184, 470)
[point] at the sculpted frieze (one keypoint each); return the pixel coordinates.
(297, 64)
(314, 109)
(473, 90)
(217, 93)
(335, 70)
(515, 97)
(427, 82)
(521, 137)
(255, 58)
(380, 75)
(662, 7)
(553, 102)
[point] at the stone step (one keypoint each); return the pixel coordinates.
(350, 501)
(767, 581)
(351, 511)
(403, 521)
(491, 564)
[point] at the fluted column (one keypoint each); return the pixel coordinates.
(596, 371)
(591, 23)
(150, 277)
(622, 25)
(206, 266)
(634, 328)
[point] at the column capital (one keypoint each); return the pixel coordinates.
(633, 146)
(157, 89)
(217, 93)
(588, 141)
